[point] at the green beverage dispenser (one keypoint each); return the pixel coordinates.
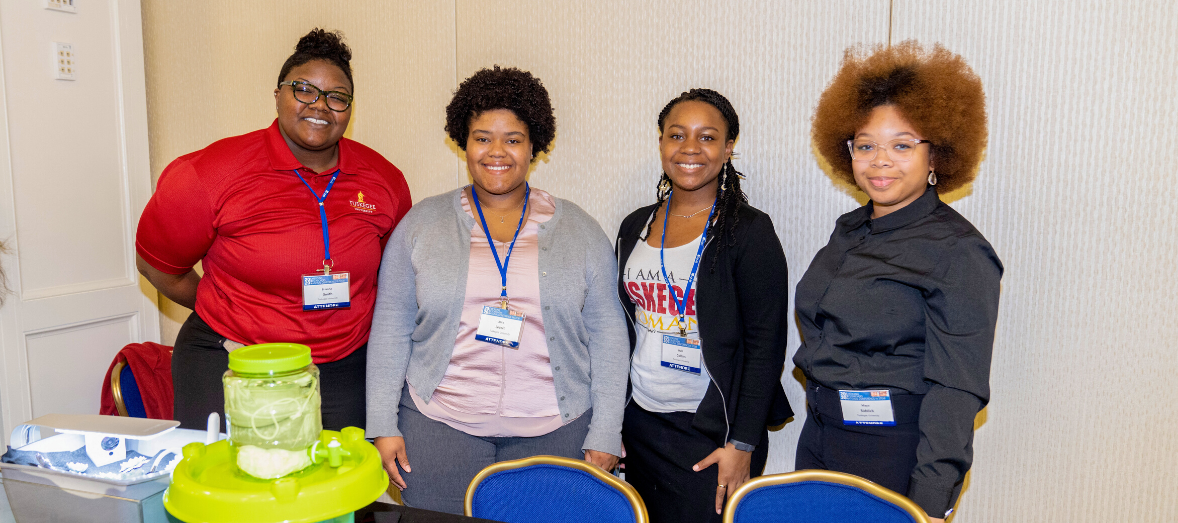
(278, 464)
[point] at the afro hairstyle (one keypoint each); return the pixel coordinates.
(502, 88)
(935, 90)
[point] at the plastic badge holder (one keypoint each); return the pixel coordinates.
(58, 494)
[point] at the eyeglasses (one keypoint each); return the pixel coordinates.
(309, 94)
(899, 149)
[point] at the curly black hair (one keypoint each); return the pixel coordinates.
(502, 88)
(934, 89)
(320, 45)
(728, 192)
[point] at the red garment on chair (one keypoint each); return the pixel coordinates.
(152, 365)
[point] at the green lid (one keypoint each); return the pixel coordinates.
(270, 358)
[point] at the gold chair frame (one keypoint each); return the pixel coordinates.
(826, 476)
(116, 387)
(625, 488)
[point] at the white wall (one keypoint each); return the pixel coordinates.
(1072, 193)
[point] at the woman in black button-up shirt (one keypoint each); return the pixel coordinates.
(897, 312)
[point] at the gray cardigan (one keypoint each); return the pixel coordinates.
(419, 304)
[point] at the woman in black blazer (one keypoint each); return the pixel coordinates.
(706, 364)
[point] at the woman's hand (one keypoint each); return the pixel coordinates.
(605, 460)
(734, 470)
(392, 452)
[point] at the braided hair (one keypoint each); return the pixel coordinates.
(728, 191)
(323, 45)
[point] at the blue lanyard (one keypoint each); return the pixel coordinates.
(502, 265)
(322, 217)
(681, 307)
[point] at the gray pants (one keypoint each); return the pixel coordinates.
(444, 459)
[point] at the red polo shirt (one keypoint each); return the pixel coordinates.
(239, 206)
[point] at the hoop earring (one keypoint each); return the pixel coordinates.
(664, 188)
(932, 177)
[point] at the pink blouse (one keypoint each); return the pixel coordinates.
(490, 390)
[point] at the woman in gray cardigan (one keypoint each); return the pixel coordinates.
(485, 351)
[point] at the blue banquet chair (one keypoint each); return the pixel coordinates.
(551, 488)
(818, 496)
(128, 399)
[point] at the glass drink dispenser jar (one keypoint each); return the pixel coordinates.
(272, 408)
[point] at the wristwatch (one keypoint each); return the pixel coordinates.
(742, 446)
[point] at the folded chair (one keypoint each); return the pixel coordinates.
(818, 496)
(551, 488)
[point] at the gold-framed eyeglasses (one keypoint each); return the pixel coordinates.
(306, 93)
(899, 149)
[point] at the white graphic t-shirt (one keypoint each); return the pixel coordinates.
(659, 387)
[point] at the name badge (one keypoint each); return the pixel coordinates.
(682, 354)
(500, 326)
(867, 407)
(327, 291)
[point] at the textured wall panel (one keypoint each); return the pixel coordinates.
(1075, 195)
(612, 66)
(212, 67)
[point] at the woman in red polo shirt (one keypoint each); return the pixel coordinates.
(262, 211)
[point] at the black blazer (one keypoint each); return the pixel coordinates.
(743, 322)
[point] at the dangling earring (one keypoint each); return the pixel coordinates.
(932, 177)
(664, 188)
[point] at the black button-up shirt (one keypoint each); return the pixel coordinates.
(907, 302)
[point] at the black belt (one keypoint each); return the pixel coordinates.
(826, 403)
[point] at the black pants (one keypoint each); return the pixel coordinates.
(200, 359)
(661, 448)
(885, 455)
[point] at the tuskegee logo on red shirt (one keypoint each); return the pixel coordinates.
(359, 204)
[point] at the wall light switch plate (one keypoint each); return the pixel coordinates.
(68, 6)
(64, 64)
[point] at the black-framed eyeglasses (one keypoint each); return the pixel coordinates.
(899, 149)
(306, 93)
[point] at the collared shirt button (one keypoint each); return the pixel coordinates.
(556, 367)
(544, 274)
(546, 307)
(562, 398)
(541, 226)
(552, 338)
(543, 248)
(566, 414)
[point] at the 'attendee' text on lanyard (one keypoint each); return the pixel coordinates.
(501, 325)
(330, 290)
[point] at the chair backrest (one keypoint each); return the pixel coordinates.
(138, 382)
(128, 399)
(818, 496)
(551, 488)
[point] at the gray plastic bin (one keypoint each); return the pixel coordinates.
(42, 495)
